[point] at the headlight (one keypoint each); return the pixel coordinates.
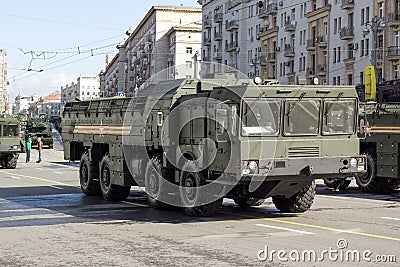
(353, 162)
(253, 165)
(15, 147)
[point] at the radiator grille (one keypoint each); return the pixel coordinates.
(303, 152)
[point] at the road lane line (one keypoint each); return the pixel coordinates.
(65, 166)
(285, 229)
(331, 229)
(56, 187)
(347, 199)
(47, 216)
(315, 226)
(16, 178)
(58, 172)
(37, 178)
(134, 204)
(390, 218)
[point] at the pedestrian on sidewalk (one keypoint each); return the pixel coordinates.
(28, 146)
(40, 148)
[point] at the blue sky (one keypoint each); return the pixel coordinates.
(44, 36)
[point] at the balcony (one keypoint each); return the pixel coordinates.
(206, 41)
(271, 57)
(218, 56)
(263, 60)
(206, 59)
(207, 23)
(289, 51)
(232, 25)
(393, 19)
(232, 47)
(263, 14)
(347, 4)
(310, 72)
(290, 25)
(218, 17)
(311, 45)
(393, 53)
(321, 70)
(217, 36)
(347, 33)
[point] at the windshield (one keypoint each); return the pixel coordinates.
(10, 130)
(339, 117)
(302, 117)
(261, 117)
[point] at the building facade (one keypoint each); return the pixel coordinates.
(145, 55)
(85, 88)
(50, 105)
(22, 104)
(3, 81)
(315, 42)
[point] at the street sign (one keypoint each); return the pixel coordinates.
(63, 102)
(121, 94)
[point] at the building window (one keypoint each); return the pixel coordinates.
(189, 64)
(362, 48)
(381, 13)
(338, 54)
(334, 80)
(334, 55)
(189, 50)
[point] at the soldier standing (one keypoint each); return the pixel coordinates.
(28, 149)
(40, 148)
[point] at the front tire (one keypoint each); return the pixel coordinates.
(11, 163)
(89, 176)
(337, 183)
(193, 196)
(111, 191)
(299, 203)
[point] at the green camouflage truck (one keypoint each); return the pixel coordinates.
(39, 128)
(9, 141)
(190, 143)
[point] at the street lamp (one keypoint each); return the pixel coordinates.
(374, 25)
(254, 63)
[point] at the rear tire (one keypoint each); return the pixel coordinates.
(337, 183)
(299, 203)
(89, 176)
(154, 184)
(368, 182)
(110, 191)
(192, 195)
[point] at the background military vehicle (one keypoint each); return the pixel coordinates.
(381, 142)
(37, 127)
(309, 133)
(9, 141)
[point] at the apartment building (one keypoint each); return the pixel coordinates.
(3, 81)
(145, 55)
(331, 40)
(85, 88)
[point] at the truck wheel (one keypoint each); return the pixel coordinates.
(154, 183)
(192, 195)
(51, 146)
(89, 176)
(337, 183)
(299, 203)
(368, 182)
(249, 201)
(11, 163)
(110, 191)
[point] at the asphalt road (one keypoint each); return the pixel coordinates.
(45, 220)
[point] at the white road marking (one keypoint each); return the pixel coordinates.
(16, 178)
(134, 204)
(285, 229)
(58, 172)
(40, 169)
(36, 217)
(390, 218)
(56, 187)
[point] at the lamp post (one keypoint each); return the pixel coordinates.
(254, 63)
(374, 25)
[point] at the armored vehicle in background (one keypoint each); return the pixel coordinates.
(232, 137)
(9, 141)
(39, 128)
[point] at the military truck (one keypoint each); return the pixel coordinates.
(381, 142)
(190, 143)
(9, 141)
(39, 128)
